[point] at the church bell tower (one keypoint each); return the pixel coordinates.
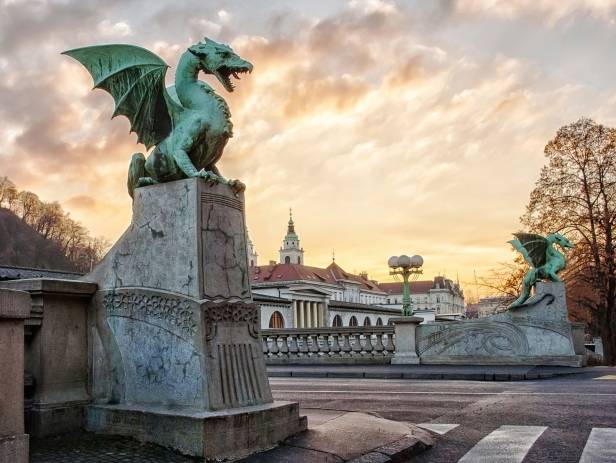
(291, 252)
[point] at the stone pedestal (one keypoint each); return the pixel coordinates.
(14, 308)
(56, 353)
(176, 356)
(535, 333)
(404, 329)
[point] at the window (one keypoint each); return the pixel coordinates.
(252, 263)
(276, 320)
(367, 321)
(337, 321)
(299, 260)
(379, 322)
(287, 260)
(353, 321)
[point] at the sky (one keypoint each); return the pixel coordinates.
(412, 127)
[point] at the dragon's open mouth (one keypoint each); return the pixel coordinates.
(224, 74)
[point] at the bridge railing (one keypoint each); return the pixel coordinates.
(360, 344)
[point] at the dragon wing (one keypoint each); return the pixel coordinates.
(135, 78)
(532, 247)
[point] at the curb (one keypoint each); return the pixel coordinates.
(433, 376)
(399, 451)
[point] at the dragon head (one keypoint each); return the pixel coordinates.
(220, 60)
(559, 239)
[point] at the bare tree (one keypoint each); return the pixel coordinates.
(576, 195)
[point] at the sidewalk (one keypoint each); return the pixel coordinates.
(447, 372)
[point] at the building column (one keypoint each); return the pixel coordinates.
(295, 315)
(303, 314)
(315, 314)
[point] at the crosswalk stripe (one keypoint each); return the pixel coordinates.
(600, 446)
(507, 444)
(438, 428)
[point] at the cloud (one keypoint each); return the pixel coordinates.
(388, 128)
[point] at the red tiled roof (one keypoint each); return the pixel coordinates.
(416, 287)
(297, 272)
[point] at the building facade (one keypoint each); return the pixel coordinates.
(295, 295)
(441, 296)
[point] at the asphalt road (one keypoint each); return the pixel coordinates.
(564, 419)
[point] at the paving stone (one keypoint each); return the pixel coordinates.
(91, 448)
(289, 454)
(372, 457)
(403, 449)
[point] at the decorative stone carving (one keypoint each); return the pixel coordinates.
(536, 333)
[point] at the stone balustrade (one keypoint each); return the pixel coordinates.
(359, 344)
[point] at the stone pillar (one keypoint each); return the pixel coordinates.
(406, 350)
(14, 308)
(176, 350)
(320, 314)
(295, 315)
(305, 317)
(315, 316)
(57, 353)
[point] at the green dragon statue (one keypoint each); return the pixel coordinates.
(544, 259)
(189, 124)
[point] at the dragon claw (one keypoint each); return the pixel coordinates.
(237, 186)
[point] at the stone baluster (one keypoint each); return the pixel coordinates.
(324, 346)
(334, 349)
(314, 345)
(293, 349)
(265, 342)
(274, 346)
(356, 347)
(379, 348)
(346, 345)
(284, 347)
(389, 346)
(368, 348)
(302, 340)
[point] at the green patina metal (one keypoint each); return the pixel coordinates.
(545, 261)
(188, 124)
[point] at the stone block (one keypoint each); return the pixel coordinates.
(405, 332)
(14, 308)
(175, 347)
(536, 333)
(185, 237)
(56, 353)
(227, 434)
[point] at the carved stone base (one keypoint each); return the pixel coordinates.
(227, 434)
(175, 352)
(536, 333)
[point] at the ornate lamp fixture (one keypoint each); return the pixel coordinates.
(407, 267)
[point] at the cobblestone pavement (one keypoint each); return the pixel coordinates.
(91, 448)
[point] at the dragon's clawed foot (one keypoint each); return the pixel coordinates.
(209, 176)
(236, 186)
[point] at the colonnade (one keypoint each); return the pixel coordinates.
(308, 314)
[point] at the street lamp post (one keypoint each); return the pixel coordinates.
(407, 267)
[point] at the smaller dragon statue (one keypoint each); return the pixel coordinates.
(188, 123)
(542, 256)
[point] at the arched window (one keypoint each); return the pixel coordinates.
(299, 260)
(367, 321)
(337, 321)
(390, 322)
(379, 322)
(252, 263)
(287, 260)
(276, 320)
(353, 321)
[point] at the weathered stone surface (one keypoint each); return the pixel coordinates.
(185, 237)
(56, 353)
(176, 354)
(405, 331)
(536, 333)
(231, 433)
(14, 308)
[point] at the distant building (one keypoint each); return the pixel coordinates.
(295, 295)
(440, 296)
(489, 306)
